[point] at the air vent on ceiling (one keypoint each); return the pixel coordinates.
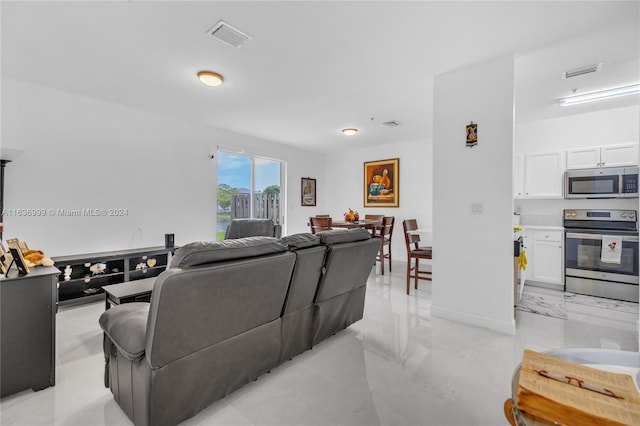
(582, 71)
(391, 123)
(228, 34)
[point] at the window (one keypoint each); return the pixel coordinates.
(248, 187)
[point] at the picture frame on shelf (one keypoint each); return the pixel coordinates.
(382, 183)
(15, 248)
(3, 260)
(308, 191)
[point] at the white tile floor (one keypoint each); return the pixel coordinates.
(398, 366)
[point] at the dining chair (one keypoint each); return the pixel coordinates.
(386, 232)
(374, 217)
(319, 224)
(415, 252)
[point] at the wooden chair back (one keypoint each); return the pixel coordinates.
(386, 232)
(386, 229)
(411, 239)
(375, 217)
(319, 224)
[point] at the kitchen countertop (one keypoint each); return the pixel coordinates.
(550, 227)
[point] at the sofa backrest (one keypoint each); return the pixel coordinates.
(306, 273)
(213, 291)
(240, 228)
(350, 256)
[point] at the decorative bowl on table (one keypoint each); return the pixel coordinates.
(351, 216)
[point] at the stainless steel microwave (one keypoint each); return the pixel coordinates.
(601, 182)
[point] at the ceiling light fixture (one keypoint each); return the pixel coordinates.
(210, 78)
(350, 131)
(615, 92)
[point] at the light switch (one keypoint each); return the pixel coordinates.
(476, 208)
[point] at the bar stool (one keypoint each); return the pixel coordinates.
(415, 252)
(386, 232)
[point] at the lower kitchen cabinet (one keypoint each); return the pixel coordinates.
(545, 255)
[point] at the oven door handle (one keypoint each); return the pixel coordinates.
(599, 237)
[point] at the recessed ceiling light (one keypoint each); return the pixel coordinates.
(350, 131)
(210, 78)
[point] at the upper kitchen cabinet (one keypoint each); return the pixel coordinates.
(518, 176)
(544, 175)
(619, 155)
(603, 156)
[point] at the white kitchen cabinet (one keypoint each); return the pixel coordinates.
(518, 176)
(583, 158)
(544, 175)
(619, 155)
(603, 156)
(545, 255)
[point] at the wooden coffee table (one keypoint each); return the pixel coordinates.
(130, 291)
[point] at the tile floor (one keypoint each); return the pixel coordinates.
(398, 366)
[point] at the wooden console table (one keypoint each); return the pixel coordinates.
(28, 306)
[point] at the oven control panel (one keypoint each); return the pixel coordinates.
(602, 215)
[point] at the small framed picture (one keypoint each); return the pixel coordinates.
(23, 246)
(472, 134)
(308, 196)
(13, 242)
(15, 248)
(3, 260)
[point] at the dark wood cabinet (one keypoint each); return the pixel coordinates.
(82, 276)
(28, 306)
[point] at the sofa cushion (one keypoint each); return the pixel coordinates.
(126, 326)
(204, 252)
(339, 236)
(301, 241)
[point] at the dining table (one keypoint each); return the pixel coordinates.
(367, 224)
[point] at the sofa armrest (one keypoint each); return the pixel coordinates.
(126, 326)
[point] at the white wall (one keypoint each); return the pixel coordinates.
(606, 127)
(82, 153)
(345, 186)
(473, 253)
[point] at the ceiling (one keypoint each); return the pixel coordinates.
(315, 67)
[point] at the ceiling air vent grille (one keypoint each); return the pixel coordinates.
(582, 71)
(228, 34)
(391, 123)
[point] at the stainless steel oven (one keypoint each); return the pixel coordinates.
(587, 269)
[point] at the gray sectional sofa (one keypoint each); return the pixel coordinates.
(226, 312)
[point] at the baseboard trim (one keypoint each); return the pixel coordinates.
(508, 328)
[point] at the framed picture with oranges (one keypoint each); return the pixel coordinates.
(382, 183)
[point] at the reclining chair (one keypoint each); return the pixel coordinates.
(240, 228)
